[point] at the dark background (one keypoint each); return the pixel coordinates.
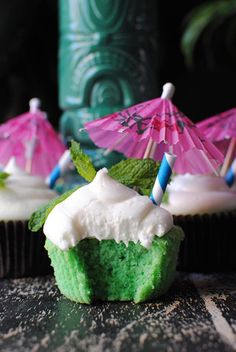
(28, 60)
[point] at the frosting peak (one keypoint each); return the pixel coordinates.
(109, 190)
(106, 209)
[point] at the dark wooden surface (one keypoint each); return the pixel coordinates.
(197, 314)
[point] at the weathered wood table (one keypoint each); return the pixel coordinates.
(197, 314)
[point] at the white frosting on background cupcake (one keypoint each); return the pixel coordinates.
(22, 194)
(199, 194)
(106, 209)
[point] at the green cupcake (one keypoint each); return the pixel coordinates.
(107, 242)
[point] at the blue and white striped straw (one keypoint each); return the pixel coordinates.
(58, 171)
(231, 174)
(162, 178)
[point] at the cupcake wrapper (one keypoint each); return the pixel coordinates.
(209, 244)
(22, 252)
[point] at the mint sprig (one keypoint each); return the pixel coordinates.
(39, 217)
(136, 173)
(82, 162)
(3, 177)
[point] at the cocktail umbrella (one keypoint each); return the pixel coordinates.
(150, 129)
(221, 130)
(32, 140)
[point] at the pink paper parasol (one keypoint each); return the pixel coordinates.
(31, 139)
(221, 130)
(150, 129)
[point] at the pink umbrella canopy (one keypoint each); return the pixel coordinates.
(150, 129)
(220, 129)
(31, 139)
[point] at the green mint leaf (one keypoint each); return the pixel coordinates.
(3, 177)
(138, 173)
(39, 217)
(82, 162)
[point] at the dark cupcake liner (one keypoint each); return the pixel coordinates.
(209, 244)
(22, 252)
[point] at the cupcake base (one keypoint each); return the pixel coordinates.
(209, 243)
(22, 252)
(109, 271)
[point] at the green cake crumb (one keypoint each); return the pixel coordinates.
(110, 271)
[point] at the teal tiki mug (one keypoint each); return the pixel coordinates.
(107, 61)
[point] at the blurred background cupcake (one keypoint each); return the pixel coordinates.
(205, 207)
(29, 149)
(22, 252)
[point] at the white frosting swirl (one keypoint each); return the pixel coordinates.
(106, 209)
(199, 194)
(22, 194)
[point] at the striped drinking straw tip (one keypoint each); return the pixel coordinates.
(162, 178)
(231, 173)
(59, 169)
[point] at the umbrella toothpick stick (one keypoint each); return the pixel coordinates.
(34, 105)
(28, 166)
(210, 165)
(167, 93)
(29, 153)
(229, 157)
(153, 149)
(148, 149)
